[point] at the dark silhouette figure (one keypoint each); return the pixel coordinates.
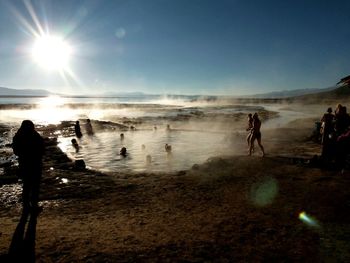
(250, 130)
(342, 120)
(342, 149)
(123, 152)
(22, 248)
(327, 128)
(88, 127)
(75, 145)
(28, 145)
(122, 136)
(256, 134)
(167, 148)
(77, 130)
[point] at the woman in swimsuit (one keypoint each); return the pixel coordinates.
(256, 134)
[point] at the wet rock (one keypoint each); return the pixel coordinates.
(195, 167)
(79, 165)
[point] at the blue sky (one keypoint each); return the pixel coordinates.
(229, 47)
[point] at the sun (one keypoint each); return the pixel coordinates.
(51, 52)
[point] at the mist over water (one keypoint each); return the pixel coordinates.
(101, 151)
(199, 130)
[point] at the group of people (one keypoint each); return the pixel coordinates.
(335, 134)
(28, 145)
(254, 133)
(88, 128)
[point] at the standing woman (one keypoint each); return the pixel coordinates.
(28, 145)
(256, 134)
(250, 130)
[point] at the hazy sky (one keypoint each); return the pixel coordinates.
(178, 46)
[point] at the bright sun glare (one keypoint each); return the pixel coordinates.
(51, 52)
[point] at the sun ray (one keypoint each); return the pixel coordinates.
(74, 77)
(24, 22)
(33, 15)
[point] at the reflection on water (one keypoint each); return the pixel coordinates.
(146, 150)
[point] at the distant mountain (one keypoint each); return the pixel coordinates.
(288, 93)
(123, 94)
(23, 92)
(341, 93)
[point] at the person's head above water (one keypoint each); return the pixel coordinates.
(123, 151)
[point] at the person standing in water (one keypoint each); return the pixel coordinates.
(77, 130)
(88, 127)
(256, 134)
(28, 145)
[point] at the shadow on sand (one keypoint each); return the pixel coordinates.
(22, 248)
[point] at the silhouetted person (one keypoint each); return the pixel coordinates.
(75, 145)
(77, 130)
(167, 148)
(28, 145)
(342, 120)
(327, 131)
(250, 130)
(342, 149)
(88, 127)
(123, 152)
(256, 134)
(122, 136)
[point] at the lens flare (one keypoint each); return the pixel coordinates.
(308, 219)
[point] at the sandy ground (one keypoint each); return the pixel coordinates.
(229, 209)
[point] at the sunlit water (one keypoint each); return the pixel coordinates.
(101, 151)
(53, 110)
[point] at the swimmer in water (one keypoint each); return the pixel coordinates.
(75, 145)
(167, 148)
(123, 152)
